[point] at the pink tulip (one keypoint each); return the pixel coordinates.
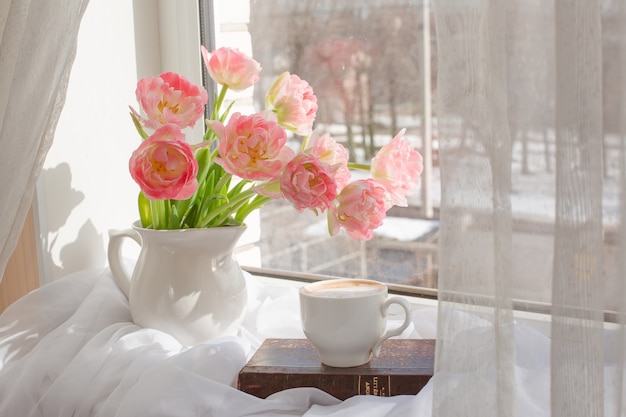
(252, 147)
(170, 98)
(294, 103)
(308, 183)
(361, 208)
(397, 166)
(232, 68)
(164, 165)
(332, 153)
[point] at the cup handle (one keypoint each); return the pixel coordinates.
(398, 330)
(114, 253)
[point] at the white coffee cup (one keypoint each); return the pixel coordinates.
(345, 319)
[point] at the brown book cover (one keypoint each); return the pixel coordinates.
(403, 368)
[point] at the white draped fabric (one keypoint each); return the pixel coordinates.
(71, 349)
(530, 113)
(37, 46)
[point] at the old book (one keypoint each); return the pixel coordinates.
(403, 368)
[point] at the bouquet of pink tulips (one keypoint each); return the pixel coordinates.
(243, 161)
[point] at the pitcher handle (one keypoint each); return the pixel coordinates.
(398, 330)
(114, 253)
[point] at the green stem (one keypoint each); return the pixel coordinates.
(218, 103)
(305, 142)
(363, 167)
(257, 202)
(159, 214)
(227, 209)
(209, 135)
(224, 178)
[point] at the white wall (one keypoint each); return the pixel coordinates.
(85, 188)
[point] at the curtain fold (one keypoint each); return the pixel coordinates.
(475, 237)
(577, 355)
(620, 376)
(530, 116)
(37, 48)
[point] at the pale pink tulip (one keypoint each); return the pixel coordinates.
(360, 208)
(332, 153)
(397, 166)
(170, 98)
(164, 165)
(308, 183)
(294, 103)
(252, 147)
(232, 68)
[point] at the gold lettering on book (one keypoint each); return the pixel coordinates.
(374, 385)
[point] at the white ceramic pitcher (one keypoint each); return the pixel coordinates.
(185, 283)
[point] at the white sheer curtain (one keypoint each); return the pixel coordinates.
(37, 46)
(530, 112)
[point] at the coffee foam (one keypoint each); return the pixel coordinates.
(343, 288)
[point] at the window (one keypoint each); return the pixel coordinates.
(366, 63)
(373, 67)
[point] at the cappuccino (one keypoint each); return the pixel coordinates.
(344, 288)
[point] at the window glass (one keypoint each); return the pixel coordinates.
(365, 61)
(373, 66)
